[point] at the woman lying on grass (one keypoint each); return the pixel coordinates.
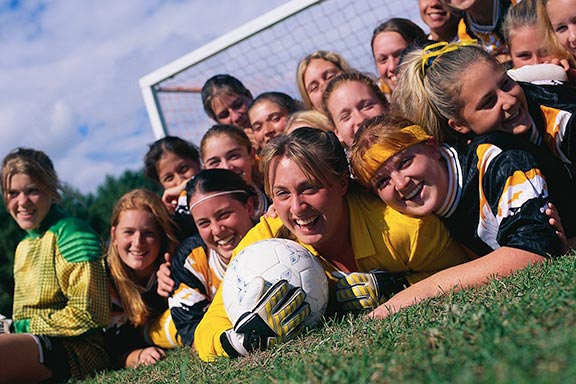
(490, 193)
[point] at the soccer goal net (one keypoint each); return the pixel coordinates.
(264, 54)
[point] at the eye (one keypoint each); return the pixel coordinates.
(12, 194)
(382, 60)
(310, 189)
(212, 163)
(508, 84)
(281, 194)
(202, 223)
(313, 87)
(168, 178)
(256, 127)
(183, 169)
(237, 104)
(367, 105)
(406, 162)
(224, 215)
(223, 115)
(128, 232)
(561, 28)
(488, 103)
(344, 117)
(381, 182)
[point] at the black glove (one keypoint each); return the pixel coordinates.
(358, 290)
(277, 316)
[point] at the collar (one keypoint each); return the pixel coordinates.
(454, 192)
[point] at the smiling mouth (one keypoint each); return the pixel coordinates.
(414, 192)
(306, 222)
(226, 241)
(138, 253)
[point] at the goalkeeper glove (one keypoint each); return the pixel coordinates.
(276, 315)
(357, 290)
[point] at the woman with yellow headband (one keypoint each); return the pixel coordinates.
(490, 193)
(222, 205)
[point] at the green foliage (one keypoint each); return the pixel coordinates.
(521, 329)
(95, 209)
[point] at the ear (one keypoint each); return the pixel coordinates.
(459, 126)
(343, 184)
(112, 230)
(250, 206)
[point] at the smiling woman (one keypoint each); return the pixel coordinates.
(352, 233)
(222, 205)
(60, 297)
(140, 236)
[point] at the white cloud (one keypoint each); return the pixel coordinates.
(69, 72)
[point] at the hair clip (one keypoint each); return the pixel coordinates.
(432, 51)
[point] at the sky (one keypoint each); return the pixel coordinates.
(69, 72)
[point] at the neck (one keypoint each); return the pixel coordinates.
(338, 250)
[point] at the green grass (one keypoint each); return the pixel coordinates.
(521, 329)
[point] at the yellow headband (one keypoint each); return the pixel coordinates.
(432, 51)
(378, 154)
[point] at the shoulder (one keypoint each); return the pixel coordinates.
(76, 240)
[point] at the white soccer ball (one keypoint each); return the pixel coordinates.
(274, 260)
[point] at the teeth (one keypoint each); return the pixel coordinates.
(302, 222)
(414, 192)
(226, 240)
(138, 253)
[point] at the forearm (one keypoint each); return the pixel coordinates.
(499, 263)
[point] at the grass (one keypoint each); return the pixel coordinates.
(520, 329)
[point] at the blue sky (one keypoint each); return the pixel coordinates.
(69, 72)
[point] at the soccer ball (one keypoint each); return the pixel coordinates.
(274, 260)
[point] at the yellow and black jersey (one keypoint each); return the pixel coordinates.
(489, 36)
(552, 108)
(197, 272)
(497, 197)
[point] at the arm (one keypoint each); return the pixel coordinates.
(499, 263)
(194, 284)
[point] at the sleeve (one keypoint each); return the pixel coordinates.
(215, 321)
(190, 299)
(82, 277)
(515, 192)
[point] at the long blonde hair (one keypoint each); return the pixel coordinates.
(430, 95)
(124, 278)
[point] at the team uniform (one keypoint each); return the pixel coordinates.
(552, 107)
(489, 36)
(60, 295)
(497, 196)
(122, 337)
(381, 239)
(197, 272)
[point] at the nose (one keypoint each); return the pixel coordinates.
(358, 117)
(138, 238)
(572, 35)
(22, 198)
(216, 228)
(296, 204)
(507, 100)
(393, 65)
(399, 180)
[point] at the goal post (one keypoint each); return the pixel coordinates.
(264, 54)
